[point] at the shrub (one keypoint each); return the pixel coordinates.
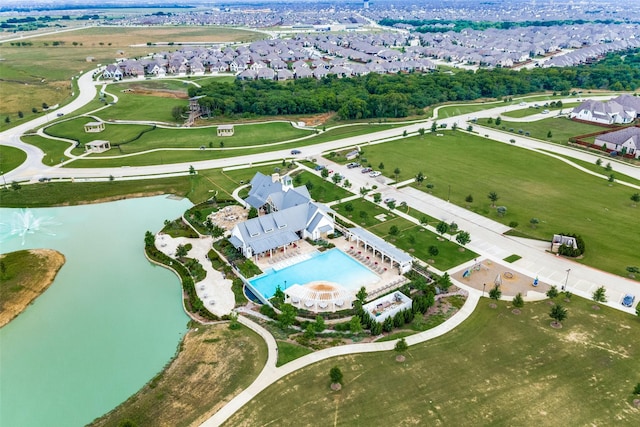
(268, 311)
(336, 375)
(552, 292)
(518, 301)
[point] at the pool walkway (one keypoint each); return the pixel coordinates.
(270, 373)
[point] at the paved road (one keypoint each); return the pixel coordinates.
(488, 240)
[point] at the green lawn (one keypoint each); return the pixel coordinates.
(53, 149)
(321, 190)
(168, 156)
(411, 238)
(529, 185)
(198, 188)
(115, 134)
(456, 110)
(601, 169)
(288, 352)
(497, 368)
(132, 106)
(561, 128)
(10, 158)
(525, 112)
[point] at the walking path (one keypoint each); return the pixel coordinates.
(214, 290)
(270, 374)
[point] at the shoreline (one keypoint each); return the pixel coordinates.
(19, 288)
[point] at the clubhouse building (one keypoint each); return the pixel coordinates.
(286, 214)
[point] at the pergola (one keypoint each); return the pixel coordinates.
(93, 127)
(378, 246)
(225, 130)
(97, 146)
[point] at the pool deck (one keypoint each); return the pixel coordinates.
(215, 290)
(389, 279)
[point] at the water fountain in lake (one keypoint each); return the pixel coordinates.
(24, 222)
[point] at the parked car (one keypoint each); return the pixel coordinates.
(374, 174)
(353, 165)
(294, 152)
(545, 111)
(319, 167)
(60, 114)
(366, 170)
(628, 299)
(389, 200)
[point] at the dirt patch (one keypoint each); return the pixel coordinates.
(486, 273)
(516, 311)
(37, 268)
(213, 365)
(400, 358)
(556, 325)
(161, 93)
(318, 119)
(336, 386)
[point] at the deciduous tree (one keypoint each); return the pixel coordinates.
(558, 313)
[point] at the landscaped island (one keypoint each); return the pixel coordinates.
(24, 275)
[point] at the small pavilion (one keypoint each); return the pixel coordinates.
(97, 146)
(94, 127)
(378, 246)
(225, 130)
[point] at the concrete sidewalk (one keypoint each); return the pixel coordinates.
(270, 374)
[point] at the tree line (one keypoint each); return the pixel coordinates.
(401, 95)
(445, 25)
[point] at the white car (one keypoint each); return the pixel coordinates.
(545, 111)
(374, 174)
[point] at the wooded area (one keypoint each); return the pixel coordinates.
(401, 95)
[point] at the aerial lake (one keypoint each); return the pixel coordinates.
(109, 322)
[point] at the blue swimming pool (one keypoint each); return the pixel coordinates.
(332, 265)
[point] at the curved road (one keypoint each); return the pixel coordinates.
(487, 236)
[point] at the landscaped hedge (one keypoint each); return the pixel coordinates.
(569, 250)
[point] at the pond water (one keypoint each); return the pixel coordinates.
(106, 326)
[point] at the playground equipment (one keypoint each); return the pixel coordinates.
(475, 267)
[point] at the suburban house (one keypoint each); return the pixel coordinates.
(624, 141)
(286, 214)
(112, 71)
(620, 110)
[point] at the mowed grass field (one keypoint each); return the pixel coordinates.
(259, 144)
(561, 128)
(149, 138)
(10, 158)
(529, 185)
(31, 75)
(496, 368)
(197, 188)
(411, 238)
